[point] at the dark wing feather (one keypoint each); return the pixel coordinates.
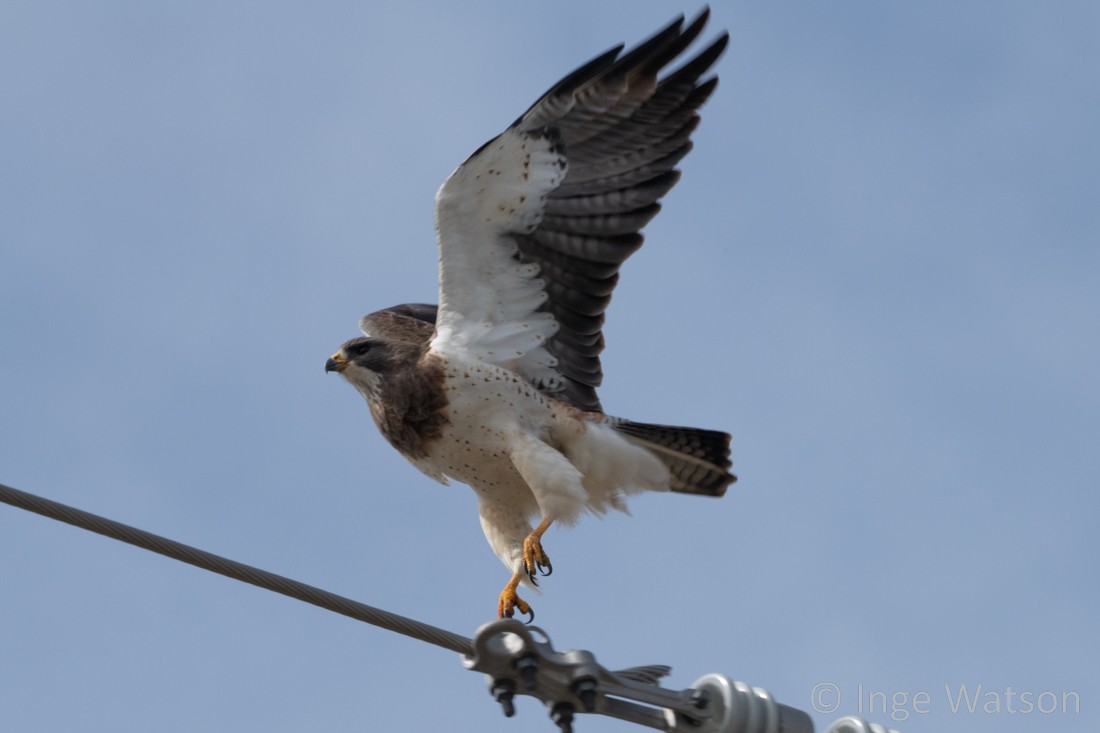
(535, 225)
(622, 130)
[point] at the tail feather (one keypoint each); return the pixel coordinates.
(699, 460)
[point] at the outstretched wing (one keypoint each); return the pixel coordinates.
(534, 226)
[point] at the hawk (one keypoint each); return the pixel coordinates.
(496, 387)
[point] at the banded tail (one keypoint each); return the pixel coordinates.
(699, 460)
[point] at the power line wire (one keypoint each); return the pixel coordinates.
(515, 661)
(237, 571)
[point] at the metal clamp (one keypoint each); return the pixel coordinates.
(519, 660)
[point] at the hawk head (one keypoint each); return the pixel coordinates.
(364, 361)
(396, 339)
(405, 391)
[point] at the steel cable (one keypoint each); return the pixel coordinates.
(238, 571)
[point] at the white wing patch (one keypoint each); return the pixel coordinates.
(488, 298)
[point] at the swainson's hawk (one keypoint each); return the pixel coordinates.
(496, 387)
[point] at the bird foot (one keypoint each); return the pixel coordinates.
(510, 602)
(535, 559)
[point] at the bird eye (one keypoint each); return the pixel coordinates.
(361, 349)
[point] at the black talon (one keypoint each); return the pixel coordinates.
(530, 616)
(547, 569)
(531, 576)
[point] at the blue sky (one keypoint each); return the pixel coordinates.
(880, 273)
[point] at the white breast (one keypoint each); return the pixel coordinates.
(487, 407)
(569, 461)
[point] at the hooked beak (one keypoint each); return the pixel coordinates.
(336, 363)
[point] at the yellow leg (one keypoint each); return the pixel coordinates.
(535, 560)
(509, 601)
